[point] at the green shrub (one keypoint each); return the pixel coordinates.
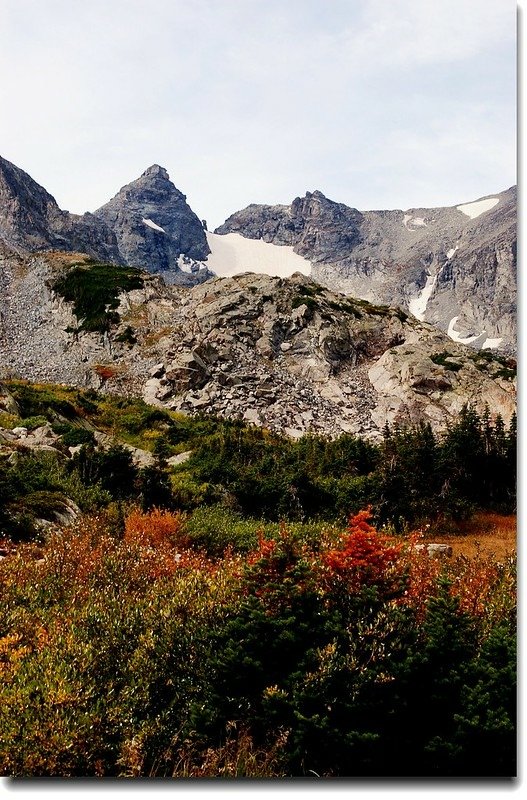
(444, 359)
(33, 422)
(214, 528)
(73, 436)
(94, 290)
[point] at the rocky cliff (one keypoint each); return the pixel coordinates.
(30, 220)
(287, 354)
(156, 229)
(454, 267)
(148, 224)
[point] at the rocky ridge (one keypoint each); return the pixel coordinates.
(156, 229)
(286, 354)
(454, 267)
(30, 220)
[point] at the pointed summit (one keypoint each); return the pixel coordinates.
(156, 171)
(154, 224)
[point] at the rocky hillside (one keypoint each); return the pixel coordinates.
(454, 267)
(287, 354)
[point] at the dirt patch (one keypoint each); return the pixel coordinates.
(486, 535)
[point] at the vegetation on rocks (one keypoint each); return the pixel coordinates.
(94, 290)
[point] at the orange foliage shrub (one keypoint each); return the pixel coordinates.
(155, 528)
(365, 557)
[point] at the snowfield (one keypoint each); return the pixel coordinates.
(473, 210)
(456, 336)
(233, 254)
(491, 343)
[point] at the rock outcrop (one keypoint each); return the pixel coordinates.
(148, 224)
(30, 220)
(287, 354)
(156, 229)
(454, 267)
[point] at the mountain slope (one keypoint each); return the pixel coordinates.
(439, 264)
(283, 353)
(30, 219)
(453, 267)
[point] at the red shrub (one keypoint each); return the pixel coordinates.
(365, 557)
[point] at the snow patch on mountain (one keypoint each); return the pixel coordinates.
(153, 225)
(417, 222)
(417, 305)
(491, 343)
(456, 336)
(232, 254)
(473, 210)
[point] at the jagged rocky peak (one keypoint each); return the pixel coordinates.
(30, 219)
(317, 228)
(454, 267)
(155, 169)
(154, 224)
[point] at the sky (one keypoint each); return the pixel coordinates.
(377, 103)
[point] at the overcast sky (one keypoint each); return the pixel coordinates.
(377, 103)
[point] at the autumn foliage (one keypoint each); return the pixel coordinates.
(125, 650)
(364, 556)
(155, 528)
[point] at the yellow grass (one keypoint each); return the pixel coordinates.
(485, 535)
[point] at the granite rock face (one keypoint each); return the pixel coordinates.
(30, 220)
(155, 227)
(454, 267)
(148, 224)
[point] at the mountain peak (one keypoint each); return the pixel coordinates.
(156, 171)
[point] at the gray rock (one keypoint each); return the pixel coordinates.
(31, 219)
(388, 256)
(154, 225)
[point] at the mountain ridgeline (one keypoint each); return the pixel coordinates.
(369, 325)
(453, 267)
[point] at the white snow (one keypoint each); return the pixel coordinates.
(233, 254)
(184, 264)
(417, 305)
(451, 251)
(473, 210)
(417, 222)
(491, 343)
(456, 336)
(152, 225)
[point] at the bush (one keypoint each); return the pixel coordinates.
(73, 437)
(94, 290)
(216, 528)
(31, 423)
